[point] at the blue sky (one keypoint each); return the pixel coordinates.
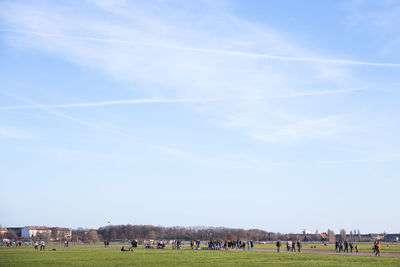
(279, 115)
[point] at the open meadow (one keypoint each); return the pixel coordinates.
(97, 255)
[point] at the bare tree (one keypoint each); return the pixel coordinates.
(331, 235)
(92, 236)
(11, 234)
(343, 234)
(152, 235)
(44, 236)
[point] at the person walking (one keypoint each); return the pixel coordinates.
(378, 249)
(298, 245)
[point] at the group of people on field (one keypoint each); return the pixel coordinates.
(176, 244)
(225, 245)
(42, 245)
(290, 246)
(344, 246)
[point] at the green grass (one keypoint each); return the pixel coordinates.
(362, 247)
(96, 255)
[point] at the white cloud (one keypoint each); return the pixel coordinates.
(178, 56)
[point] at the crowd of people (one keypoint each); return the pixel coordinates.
(10, 243)
(290, 246)
(176, 244)
(341, 246)
(211, 245)
(232, 244)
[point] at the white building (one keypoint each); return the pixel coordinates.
(32, 231)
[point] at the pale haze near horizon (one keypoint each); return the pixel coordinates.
(278, 115)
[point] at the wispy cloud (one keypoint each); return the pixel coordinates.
(174, 58)
(14, 133)
(389, 157)
(106, 103)
(152, 101)
(210, 50)
(313, 93)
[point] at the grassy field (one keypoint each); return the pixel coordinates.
(96, 255)
(362, 247)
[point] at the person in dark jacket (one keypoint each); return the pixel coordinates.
(278, 246)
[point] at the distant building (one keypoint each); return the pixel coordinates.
(16, 230)
(305, 232)
(323, 237)
(3, 230)
(33, 231)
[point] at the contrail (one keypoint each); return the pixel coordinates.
(208, 50)
(107, 103)
(315, 93)
(166, 100)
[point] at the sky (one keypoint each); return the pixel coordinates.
(277, 115)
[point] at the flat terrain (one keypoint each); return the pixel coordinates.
(364, 248)
(97, 255)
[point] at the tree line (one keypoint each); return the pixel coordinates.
(150, 232)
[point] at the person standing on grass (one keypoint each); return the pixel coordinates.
(42, 244)
(288, 246)
(298, 245)
(293, 246)
(278, 246)
(378, 249)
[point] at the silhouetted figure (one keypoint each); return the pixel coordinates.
(42, 244)
(278, 246)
